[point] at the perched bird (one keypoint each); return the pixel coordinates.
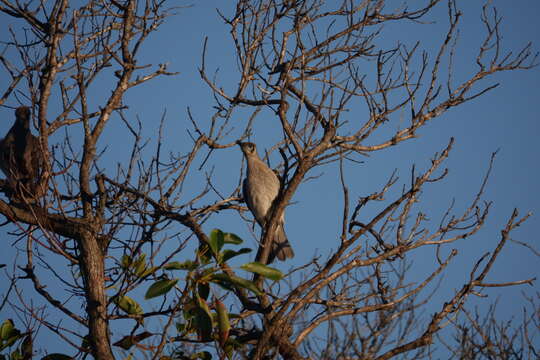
(21, 157)
(260, 188)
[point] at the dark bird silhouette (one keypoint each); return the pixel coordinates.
(21, 157)
(260, 188)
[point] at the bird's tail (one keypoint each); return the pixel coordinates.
(281, 248)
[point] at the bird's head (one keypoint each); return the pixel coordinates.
(248, 148)
(22, 113)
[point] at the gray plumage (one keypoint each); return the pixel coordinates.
(21, 159)
(260, 188)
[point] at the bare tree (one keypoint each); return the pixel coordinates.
(480, 335)
(120, 235)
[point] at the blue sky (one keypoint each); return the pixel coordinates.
(505, 119)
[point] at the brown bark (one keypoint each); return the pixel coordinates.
(92, 266)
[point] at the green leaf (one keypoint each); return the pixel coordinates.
(223, 322)
(231, 238)
(203, 290)
(202, 319)
(189, 308)
(27, 347)
(148, 271)
(226, 281)
(159, 288)
(125, 261)
(203, 323)
(203, 355)
(180, 327)
(57, 356)
(8, 334)
(15, 335)
(139, 265)
(129, 305)
(125, 343)
(228, 348)
(128, 341)
(16, 355)
(6, 329)
(204, 253)
(229, 254)
(205, 274)
(85, 343)
(186, 265)
(217, 239)
(263, 270)
(201, 303)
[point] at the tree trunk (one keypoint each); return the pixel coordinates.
(92, 267)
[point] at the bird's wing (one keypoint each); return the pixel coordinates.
(246, 195)
(36, 160)
(3, 156)
(8, 159)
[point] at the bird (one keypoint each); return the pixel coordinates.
(21, 158)
(260, 188)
